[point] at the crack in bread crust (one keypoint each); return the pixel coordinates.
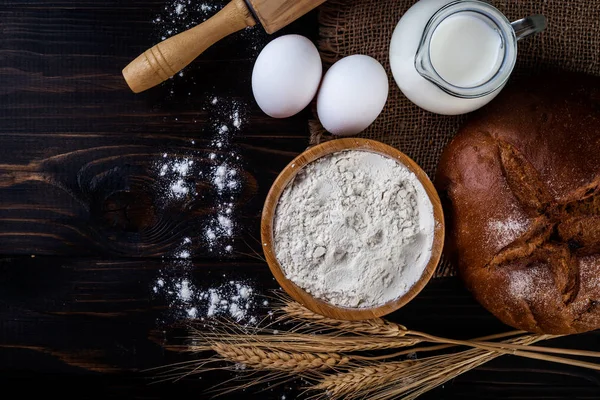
(565, 269)
(561, 233)
(524, 180)
(525, 246)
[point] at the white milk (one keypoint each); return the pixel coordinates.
(466, 50)
(457, 54)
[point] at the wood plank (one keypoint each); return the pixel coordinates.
(78, 150)
(81, 317)
(60, 201)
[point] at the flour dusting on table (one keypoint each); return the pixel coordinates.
(235, 300)
(216, 168)
(225, 173)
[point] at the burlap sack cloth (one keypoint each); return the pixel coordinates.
(571, 42)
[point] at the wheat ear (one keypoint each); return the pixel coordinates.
(378, 326)
(361, 378)
(288, 361)
(299, 342)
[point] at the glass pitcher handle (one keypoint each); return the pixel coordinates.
(529, 26)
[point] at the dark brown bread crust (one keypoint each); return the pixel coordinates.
(522, 184)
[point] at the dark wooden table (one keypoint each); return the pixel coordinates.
(85, 229)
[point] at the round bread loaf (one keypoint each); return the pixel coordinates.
(521, 183)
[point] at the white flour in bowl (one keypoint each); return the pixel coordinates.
(354, 229)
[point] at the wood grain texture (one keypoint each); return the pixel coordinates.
(77, 150)
(277, 14)
(288, 175)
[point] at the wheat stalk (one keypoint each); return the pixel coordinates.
(420, 382)
(293, 362)
(302, 342)
(474, 358)
(331, 354)
(295, 311)
(380, 327)
(410, 375)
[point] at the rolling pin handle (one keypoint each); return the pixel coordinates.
(167, 58)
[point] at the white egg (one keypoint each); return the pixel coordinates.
(352, 95)
(286, 76)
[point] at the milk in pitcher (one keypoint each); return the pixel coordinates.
(453, 57)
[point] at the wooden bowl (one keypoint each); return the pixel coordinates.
(288, 174)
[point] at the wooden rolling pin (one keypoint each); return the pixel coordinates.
(164, 60)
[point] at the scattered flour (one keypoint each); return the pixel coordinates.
(179, 8)
(183, 254)
(225, 177)
(185, 300)
(225, 224)
(226, 301)
(239, 366)
(184, 292)
(210, 234)
(234, 300)
(179, 15)
(178, 189)
(177, 175)
(354, 229)
(504, 232)
(225, 173)
(192, 313)
(525, 284)
(237, 122)
(174, 174)
(181, 167)
(219, 165)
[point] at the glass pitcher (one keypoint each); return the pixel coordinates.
(453, 57)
